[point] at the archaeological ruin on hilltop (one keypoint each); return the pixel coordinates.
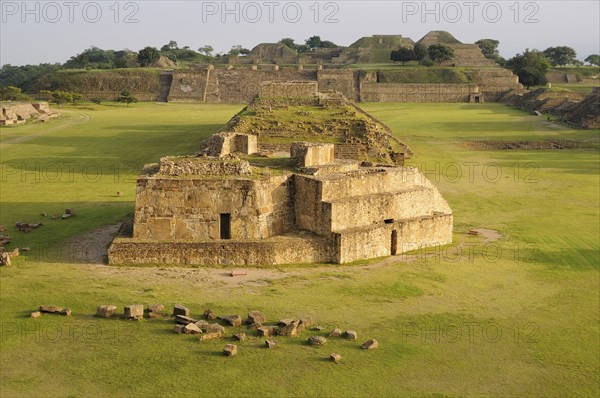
(298, 176)
(468, 77)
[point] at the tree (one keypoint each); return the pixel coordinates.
(403, 54)
(593, 59)
(147, 56)
(420, 51)
(207, 50)
(288, 42)
(560, 56)
(531, 67)
(440, 53)
(126, 98)
(12, 93)
(316, 42)
(489, 48)
(61, 97)
(235, 50)
(313, 42)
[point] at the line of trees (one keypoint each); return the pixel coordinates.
(438, 53)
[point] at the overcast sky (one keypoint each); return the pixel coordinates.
(52, 31)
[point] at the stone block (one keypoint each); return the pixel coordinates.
(106, 311)
(134, 311)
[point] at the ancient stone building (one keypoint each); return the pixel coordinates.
(230, 205)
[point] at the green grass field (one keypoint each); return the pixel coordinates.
(514, 317)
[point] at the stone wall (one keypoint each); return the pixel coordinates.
(182, 166)
(287, 89)
(310, 154)
(398, 92)
(310, 211)
(190, 208)
(495, 82)
(342, 81)
(107, 84)
(365, 197)
(224, 143)
(229, 86)
(394, 238)
(224, 253)
(356, 211)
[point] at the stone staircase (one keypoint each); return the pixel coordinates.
(165, 81)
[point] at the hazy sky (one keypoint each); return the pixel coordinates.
(51, 31)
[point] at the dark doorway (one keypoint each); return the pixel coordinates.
(476, 99)
(394, 243)
(225, 226)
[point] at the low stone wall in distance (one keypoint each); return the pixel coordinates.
(400, 92)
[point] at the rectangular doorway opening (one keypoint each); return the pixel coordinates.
(394, 243)
(225, 226)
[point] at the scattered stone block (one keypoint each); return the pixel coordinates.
(36, 314)
(270, 344)
(337, 332)
(181, 310)
(265, 331)
(239, 336)
(210, 336)
(230, 350)
(335, 358)
(233, 320)
(317, 340)
(134, 311)
(215, 328)
(238, 272)
(70, 212)
(350, 334)
(155, 311)
(52, 309)
(65, 312)
(184, 320)
(156, 308)
(290, 330)
(307, 321)
(191, 328)
(14, 253)
(5, 259)
(256, 317)
(202, 324)
(210, 315)
(370, 344)
(285, 322)
(178, 328)
(105, 311)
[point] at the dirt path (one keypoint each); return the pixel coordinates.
(92, 247)
(81, 119)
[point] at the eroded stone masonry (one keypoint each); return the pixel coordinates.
(270, 188)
